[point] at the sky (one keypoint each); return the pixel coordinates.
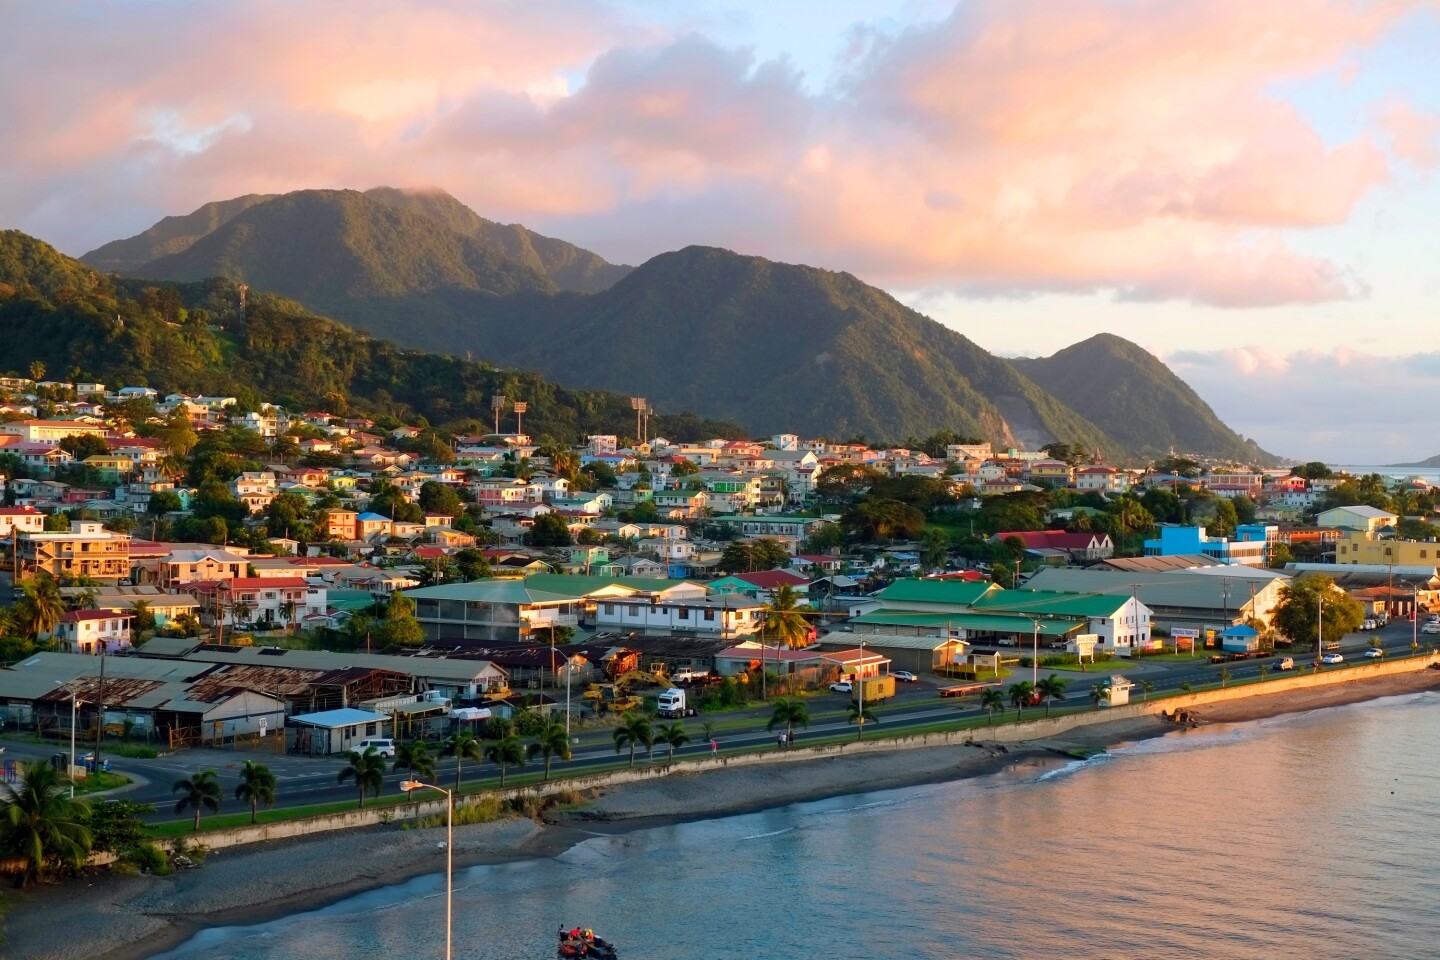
(1248, 190)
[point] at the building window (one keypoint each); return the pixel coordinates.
(709, 615)
(609, 609)
(685, 611)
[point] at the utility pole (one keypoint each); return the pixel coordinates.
(100, 707)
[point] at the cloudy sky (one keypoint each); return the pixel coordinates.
(1245, 188)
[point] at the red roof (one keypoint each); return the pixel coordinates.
(1053, 539)
(771, 579)
(20, 512)
(245, 583)
(426, 553)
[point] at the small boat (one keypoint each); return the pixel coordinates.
(579, 943)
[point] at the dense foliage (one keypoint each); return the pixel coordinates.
(198, 338)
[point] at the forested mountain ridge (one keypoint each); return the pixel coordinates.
(1137, 399)
(197, 338)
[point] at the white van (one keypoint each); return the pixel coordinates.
(383, 746)
(1286, 663)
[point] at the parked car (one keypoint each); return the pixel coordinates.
(1374, 653)
(1432, 627)
(1333, 658)
(383, 746)
(841, 686)
(904, 676)
(1369, 625)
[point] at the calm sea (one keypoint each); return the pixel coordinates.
(1430, 474)
(1314, 835)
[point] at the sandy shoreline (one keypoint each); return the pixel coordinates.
(130, 918)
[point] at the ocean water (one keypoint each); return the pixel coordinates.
(1316, 835)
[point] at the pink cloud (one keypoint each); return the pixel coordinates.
(1016, 146)
(1414, 136)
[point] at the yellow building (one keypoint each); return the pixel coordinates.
(88, 550)
(1362, 548)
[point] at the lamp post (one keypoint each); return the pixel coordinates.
(1034, 651)
(70, 774)
(407, 786)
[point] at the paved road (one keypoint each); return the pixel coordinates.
(305, 780)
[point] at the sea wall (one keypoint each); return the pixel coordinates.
(1039, 728)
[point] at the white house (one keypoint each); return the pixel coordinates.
(93, 631)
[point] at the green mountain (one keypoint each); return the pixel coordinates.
(171, 235)
(567, 266)
(781, 347)
(381, 268)
(215, 337)
(1136, 399)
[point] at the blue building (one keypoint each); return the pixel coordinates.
(1250, 547)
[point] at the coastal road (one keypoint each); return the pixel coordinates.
(304, 781)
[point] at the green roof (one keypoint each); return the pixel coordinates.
(976, 622)
(962, 592)
(1053, 603)
(350, 600)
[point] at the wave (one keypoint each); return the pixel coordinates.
(772, 833)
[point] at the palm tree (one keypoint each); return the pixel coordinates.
(256, 787)
(553, 742)
(990, 701)
(634, 730)
(783, 622)
(1051, 688)
(504, 752)
(366, 769)
(200, 791)
(1225, 676)
(1098, 693)
(860, 716)
(788, 713)
(40, 606)
(934, 548)
(674, 736)
(240, 611)
(464, 745)
(416, 757)
(1020, 695)
(41, 823)
(1147, 687)
(287, 612)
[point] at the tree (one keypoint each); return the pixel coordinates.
(990, 701)
(553, 741)
(673, 736)
(634, 730)
(401, 628)
(789, 713)
(1021, 695)
(82, 446)
(549, 530)
(1147, 687)
(1296, 612)
(737, 557)
(860, 716)
(40, 605)
(366, 769)
(934, 548)
(256, 787)
(416, 757)
(1051, 688)
(436, 497)
(882, 519)
(40, 824)
(199, 792)
(463, 745)
(504, 752)
(1225, 676)
(472, 564)
(783, 622)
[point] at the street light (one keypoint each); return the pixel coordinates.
(70, 774)
(407, 786)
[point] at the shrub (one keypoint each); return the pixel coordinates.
(135, 751)
(147, 858)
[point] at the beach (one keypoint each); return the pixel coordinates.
(128, 918)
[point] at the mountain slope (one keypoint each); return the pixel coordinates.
(171, 235)
(569, 267)
(784, 347)
(196, 338)
(384, 269)
(1128, 392)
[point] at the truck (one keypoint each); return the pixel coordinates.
(671, 705)
(872, 689)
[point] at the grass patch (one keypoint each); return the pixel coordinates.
(135, 751)
(97, 782)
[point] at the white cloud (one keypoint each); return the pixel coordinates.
(1343, 406)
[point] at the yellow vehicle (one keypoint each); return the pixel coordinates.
(609, 698)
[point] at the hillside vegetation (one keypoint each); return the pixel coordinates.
(197, 338)
(1139, 401)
